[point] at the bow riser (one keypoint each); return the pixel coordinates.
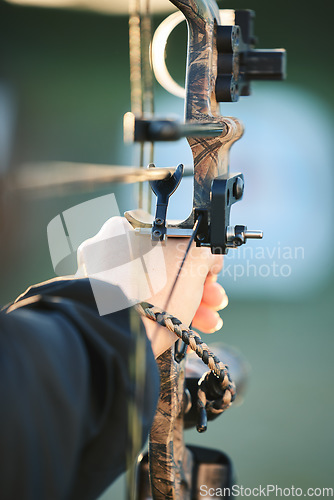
(202, 17)
(170, 461)
(211, 160)
(210, 154)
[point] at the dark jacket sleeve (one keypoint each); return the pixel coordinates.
(65, 386)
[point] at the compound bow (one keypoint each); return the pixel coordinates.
(221, 62)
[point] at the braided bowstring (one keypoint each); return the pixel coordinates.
(225, 386)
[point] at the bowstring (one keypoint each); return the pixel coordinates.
(136, 91)
(147, 84)
(141, 78)
(142, 102)
(173, 287)
(191, 241)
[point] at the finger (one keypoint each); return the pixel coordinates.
(207, 320)
(211, 278)
(216, 264)
(214, 296)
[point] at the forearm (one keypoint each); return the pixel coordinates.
(65, 386)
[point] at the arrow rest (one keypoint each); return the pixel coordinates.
(163, 189)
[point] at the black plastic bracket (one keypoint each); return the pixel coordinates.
(212, 231)
(225, 191)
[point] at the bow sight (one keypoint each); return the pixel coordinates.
(215, 190)
(239, 62)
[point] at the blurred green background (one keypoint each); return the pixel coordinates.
(68, 77)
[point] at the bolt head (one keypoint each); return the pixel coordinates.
(238, 241)
(238, 188)
(201, 237)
